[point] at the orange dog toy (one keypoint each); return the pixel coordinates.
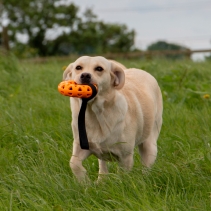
(72, 89)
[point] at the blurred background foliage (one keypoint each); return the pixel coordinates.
(53, 28)
(162, 45)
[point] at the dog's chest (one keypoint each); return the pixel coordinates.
(104, 153)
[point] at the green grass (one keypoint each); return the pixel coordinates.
(36, 143)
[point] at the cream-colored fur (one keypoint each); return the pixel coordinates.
(126, 112)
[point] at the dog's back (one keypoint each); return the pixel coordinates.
(144, 99)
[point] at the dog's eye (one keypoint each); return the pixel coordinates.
(78, 67)
(99, 69)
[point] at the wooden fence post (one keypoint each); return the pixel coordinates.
(5, 38)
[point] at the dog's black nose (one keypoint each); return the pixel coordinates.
(86, 78)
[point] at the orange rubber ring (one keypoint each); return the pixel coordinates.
(72, 89)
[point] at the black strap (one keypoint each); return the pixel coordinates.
(81, 119)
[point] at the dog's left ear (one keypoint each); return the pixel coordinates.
(117, 75)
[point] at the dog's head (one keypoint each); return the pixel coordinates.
(96, 70)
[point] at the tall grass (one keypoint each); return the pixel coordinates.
(36, 143)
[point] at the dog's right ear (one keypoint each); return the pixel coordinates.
(67, 75)
(117, 74)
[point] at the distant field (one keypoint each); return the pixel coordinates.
(36, 143)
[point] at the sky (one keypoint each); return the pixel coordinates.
(185, 22)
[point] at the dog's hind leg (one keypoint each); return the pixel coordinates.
(102, 167)
(127, 162)
(103, 170)
(148, 151)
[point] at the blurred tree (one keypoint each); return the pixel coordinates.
(117, 38)
(33, 18)
(93, 36)
(162, 45)
(55, 28)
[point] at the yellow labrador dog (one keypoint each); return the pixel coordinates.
(126, 112)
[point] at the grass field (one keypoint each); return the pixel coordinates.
(36, 143)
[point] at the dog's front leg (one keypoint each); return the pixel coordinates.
(78, 156)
